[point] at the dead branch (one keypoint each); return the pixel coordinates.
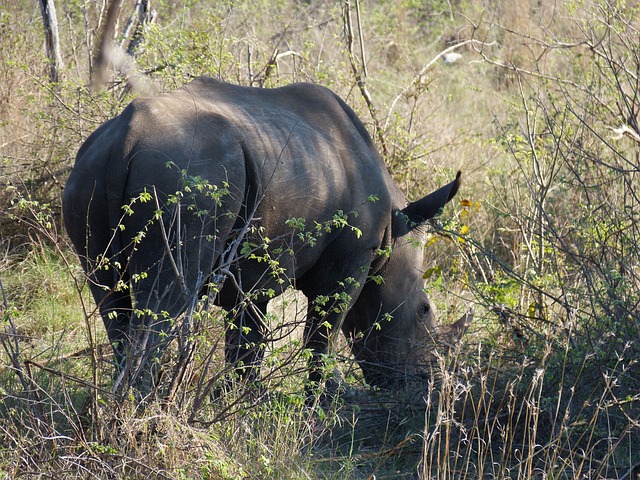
(424, 69)
(103, 55)
(64, 375)
(360, 71)
(9, 341)
(145, 15)
(625, 131)
(272, 64)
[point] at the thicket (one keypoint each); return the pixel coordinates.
(539, 109)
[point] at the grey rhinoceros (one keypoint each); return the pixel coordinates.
(242, 192)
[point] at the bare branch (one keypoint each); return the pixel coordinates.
(623, 131)
(424, 69)
(361, 76)
(177, 267)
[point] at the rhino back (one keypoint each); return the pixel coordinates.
(306, 153)
(292, 152)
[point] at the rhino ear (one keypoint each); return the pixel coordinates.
(418, 212)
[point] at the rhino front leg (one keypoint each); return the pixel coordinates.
(325, 316)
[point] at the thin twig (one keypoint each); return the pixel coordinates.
(63, 375)
(360, 72)
(9, 341)
(165, 239)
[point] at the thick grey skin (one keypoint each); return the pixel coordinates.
(292, 152)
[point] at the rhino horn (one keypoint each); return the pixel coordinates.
(450, 335)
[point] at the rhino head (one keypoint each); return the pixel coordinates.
(392, 324)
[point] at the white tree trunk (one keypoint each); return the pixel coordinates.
(50, 21)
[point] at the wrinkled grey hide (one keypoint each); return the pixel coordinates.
(261, 157)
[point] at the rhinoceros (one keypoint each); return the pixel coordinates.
(241, 193)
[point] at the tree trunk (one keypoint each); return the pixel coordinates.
(105, 48)
(145, 16)
(50, 21)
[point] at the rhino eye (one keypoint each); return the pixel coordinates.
(424, 310)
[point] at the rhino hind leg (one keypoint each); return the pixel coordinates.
(164, 289)
(87, 223)
(114, 305)
(244, 341)
(116, 309)
(316, 339)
